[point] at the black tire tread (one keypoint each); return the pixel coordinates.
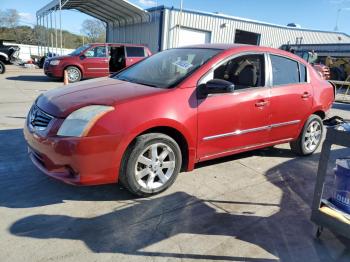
(3, 68)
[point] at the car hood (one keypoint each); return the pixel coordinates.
(61, 101)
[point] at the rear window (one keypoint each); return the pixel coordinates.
(135, 51)
(285, 71)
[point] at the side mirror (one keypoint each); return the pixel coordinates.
(82, 57)
(216, 86)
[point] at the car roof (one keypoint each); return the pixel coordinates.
(243, 48)
(123, 44)
(215, 46)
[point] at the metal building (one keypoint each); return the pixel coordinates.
(163, 27)
(172, 27)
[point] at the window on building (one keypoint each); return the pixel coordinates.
(284, 71)
(245, 37)
(132, 51)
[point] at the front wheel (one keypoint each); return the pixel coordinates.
(74, 74)
(310, 137)
(151, 164)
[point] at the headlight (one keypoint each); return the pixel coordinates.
(55, 62)
(79, 122)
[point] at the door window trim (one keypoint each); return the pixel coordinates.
(219, 63)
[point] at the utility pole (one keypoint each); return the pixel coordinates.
(337, 20)
(179, 25)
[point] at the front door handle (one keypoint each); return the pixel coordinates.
(261, 103)
(305, 95)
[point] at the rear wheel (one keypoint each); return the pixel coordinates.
(151, 164)
(310, 137)
(2, 68)
(74, 74)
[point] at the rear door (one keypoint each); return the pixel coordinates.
(291, 97)
(134, 54)
(95, 62)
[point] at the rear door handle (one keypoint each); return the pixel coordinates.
(305, 95)
(261, 103)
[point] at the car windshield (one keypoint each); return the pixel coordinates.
(168, 68)
(79, 50)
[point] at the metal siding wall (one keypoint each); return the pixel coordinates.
(146, 33)
(270, 35)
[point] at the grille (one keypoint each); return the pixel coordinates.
(38, 119)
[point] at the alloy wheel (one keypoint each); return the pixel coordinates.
(155, 166)
(73, 74)
(312, 136)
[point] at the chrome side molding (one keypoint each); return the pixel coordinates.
(256, 129)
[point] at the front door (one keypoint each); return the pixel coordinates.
(95, 62)
(239, 120)
(291, 97)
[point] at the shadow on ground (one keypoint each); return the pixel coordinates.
(287, 234)
(33, 78)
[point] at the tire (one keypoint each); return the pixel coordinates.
(310, 137)
(2, 68)
(74, 74)
(140, 157)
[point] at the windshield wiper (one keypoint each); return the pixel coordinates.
(135, 82)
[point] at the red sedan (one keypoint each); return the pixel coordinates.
(179, 107)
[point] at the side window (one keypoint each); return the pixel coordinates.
(284, 71)
(132, 51)
(303, 73)
(244, 71)
(98, 51)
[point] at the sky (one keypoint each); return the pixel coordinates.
(312, 14)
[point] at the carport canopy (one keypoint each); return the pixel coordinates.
(120, 11)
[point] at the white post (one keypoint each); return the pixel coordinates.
(47, 35)
(51, 31)
(179, 27)
(37, 35)
(56, 30)
(61, 25)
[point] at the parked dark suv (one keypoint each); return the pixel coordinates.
(8, 54)
(95, 60)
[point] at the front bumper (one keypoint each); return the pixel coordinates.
(53, 71)
(78, 161)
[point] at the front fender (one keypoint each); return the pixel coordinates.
(126, 140)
